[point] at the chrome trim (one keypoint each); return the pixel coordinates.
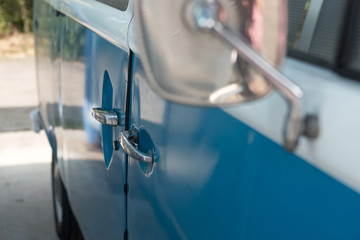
(133, 152)
(110, 118)
(207, 19)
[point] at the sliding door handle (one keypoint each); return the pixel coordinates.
(111, 118)
(129, 141)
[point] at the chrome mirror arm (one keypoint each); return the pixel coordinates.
(289, 90)
(206, 18)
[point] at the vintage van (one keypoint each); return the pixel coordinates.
(201, 119)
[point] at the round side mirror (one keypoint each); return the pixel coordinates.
(187, 61)
(218, 52)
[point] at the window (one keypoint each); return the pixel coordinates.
(118, 4)
(326, 32)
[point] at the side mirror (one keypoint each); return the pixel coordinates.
(217, 52)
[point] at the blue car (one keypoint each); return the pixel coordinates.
(201, 119)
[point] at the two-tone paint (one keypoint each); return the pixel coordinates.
(222, 172)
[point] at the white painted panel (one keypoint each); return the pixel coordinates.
(335, 99)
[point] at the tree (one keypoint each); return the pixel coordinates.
(15, 15)
(24, 16)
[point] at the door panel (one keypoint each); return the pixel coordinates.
(217, 178)
(93, 74)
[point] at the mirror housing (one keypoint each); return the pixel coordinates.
(187, 65)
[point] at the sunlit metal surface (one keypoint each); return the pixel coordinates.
(110, 118)
(133, 152)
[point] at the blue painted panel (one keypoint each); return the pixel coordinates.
(219, 179)
(107, 131)
(93, 74)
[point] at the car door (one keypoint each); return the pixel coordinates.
(94, 72)
(222, 173)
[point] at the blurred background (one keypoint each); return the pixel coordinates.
(25, 193)
(16, 39)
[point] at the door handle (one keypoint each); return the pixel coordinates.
(129, 141)
(111, 118)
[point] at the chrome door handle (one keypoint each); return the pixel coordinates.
(128, 141)
(110, 118)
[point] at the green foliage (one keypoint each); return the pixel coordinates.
(15, 15)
